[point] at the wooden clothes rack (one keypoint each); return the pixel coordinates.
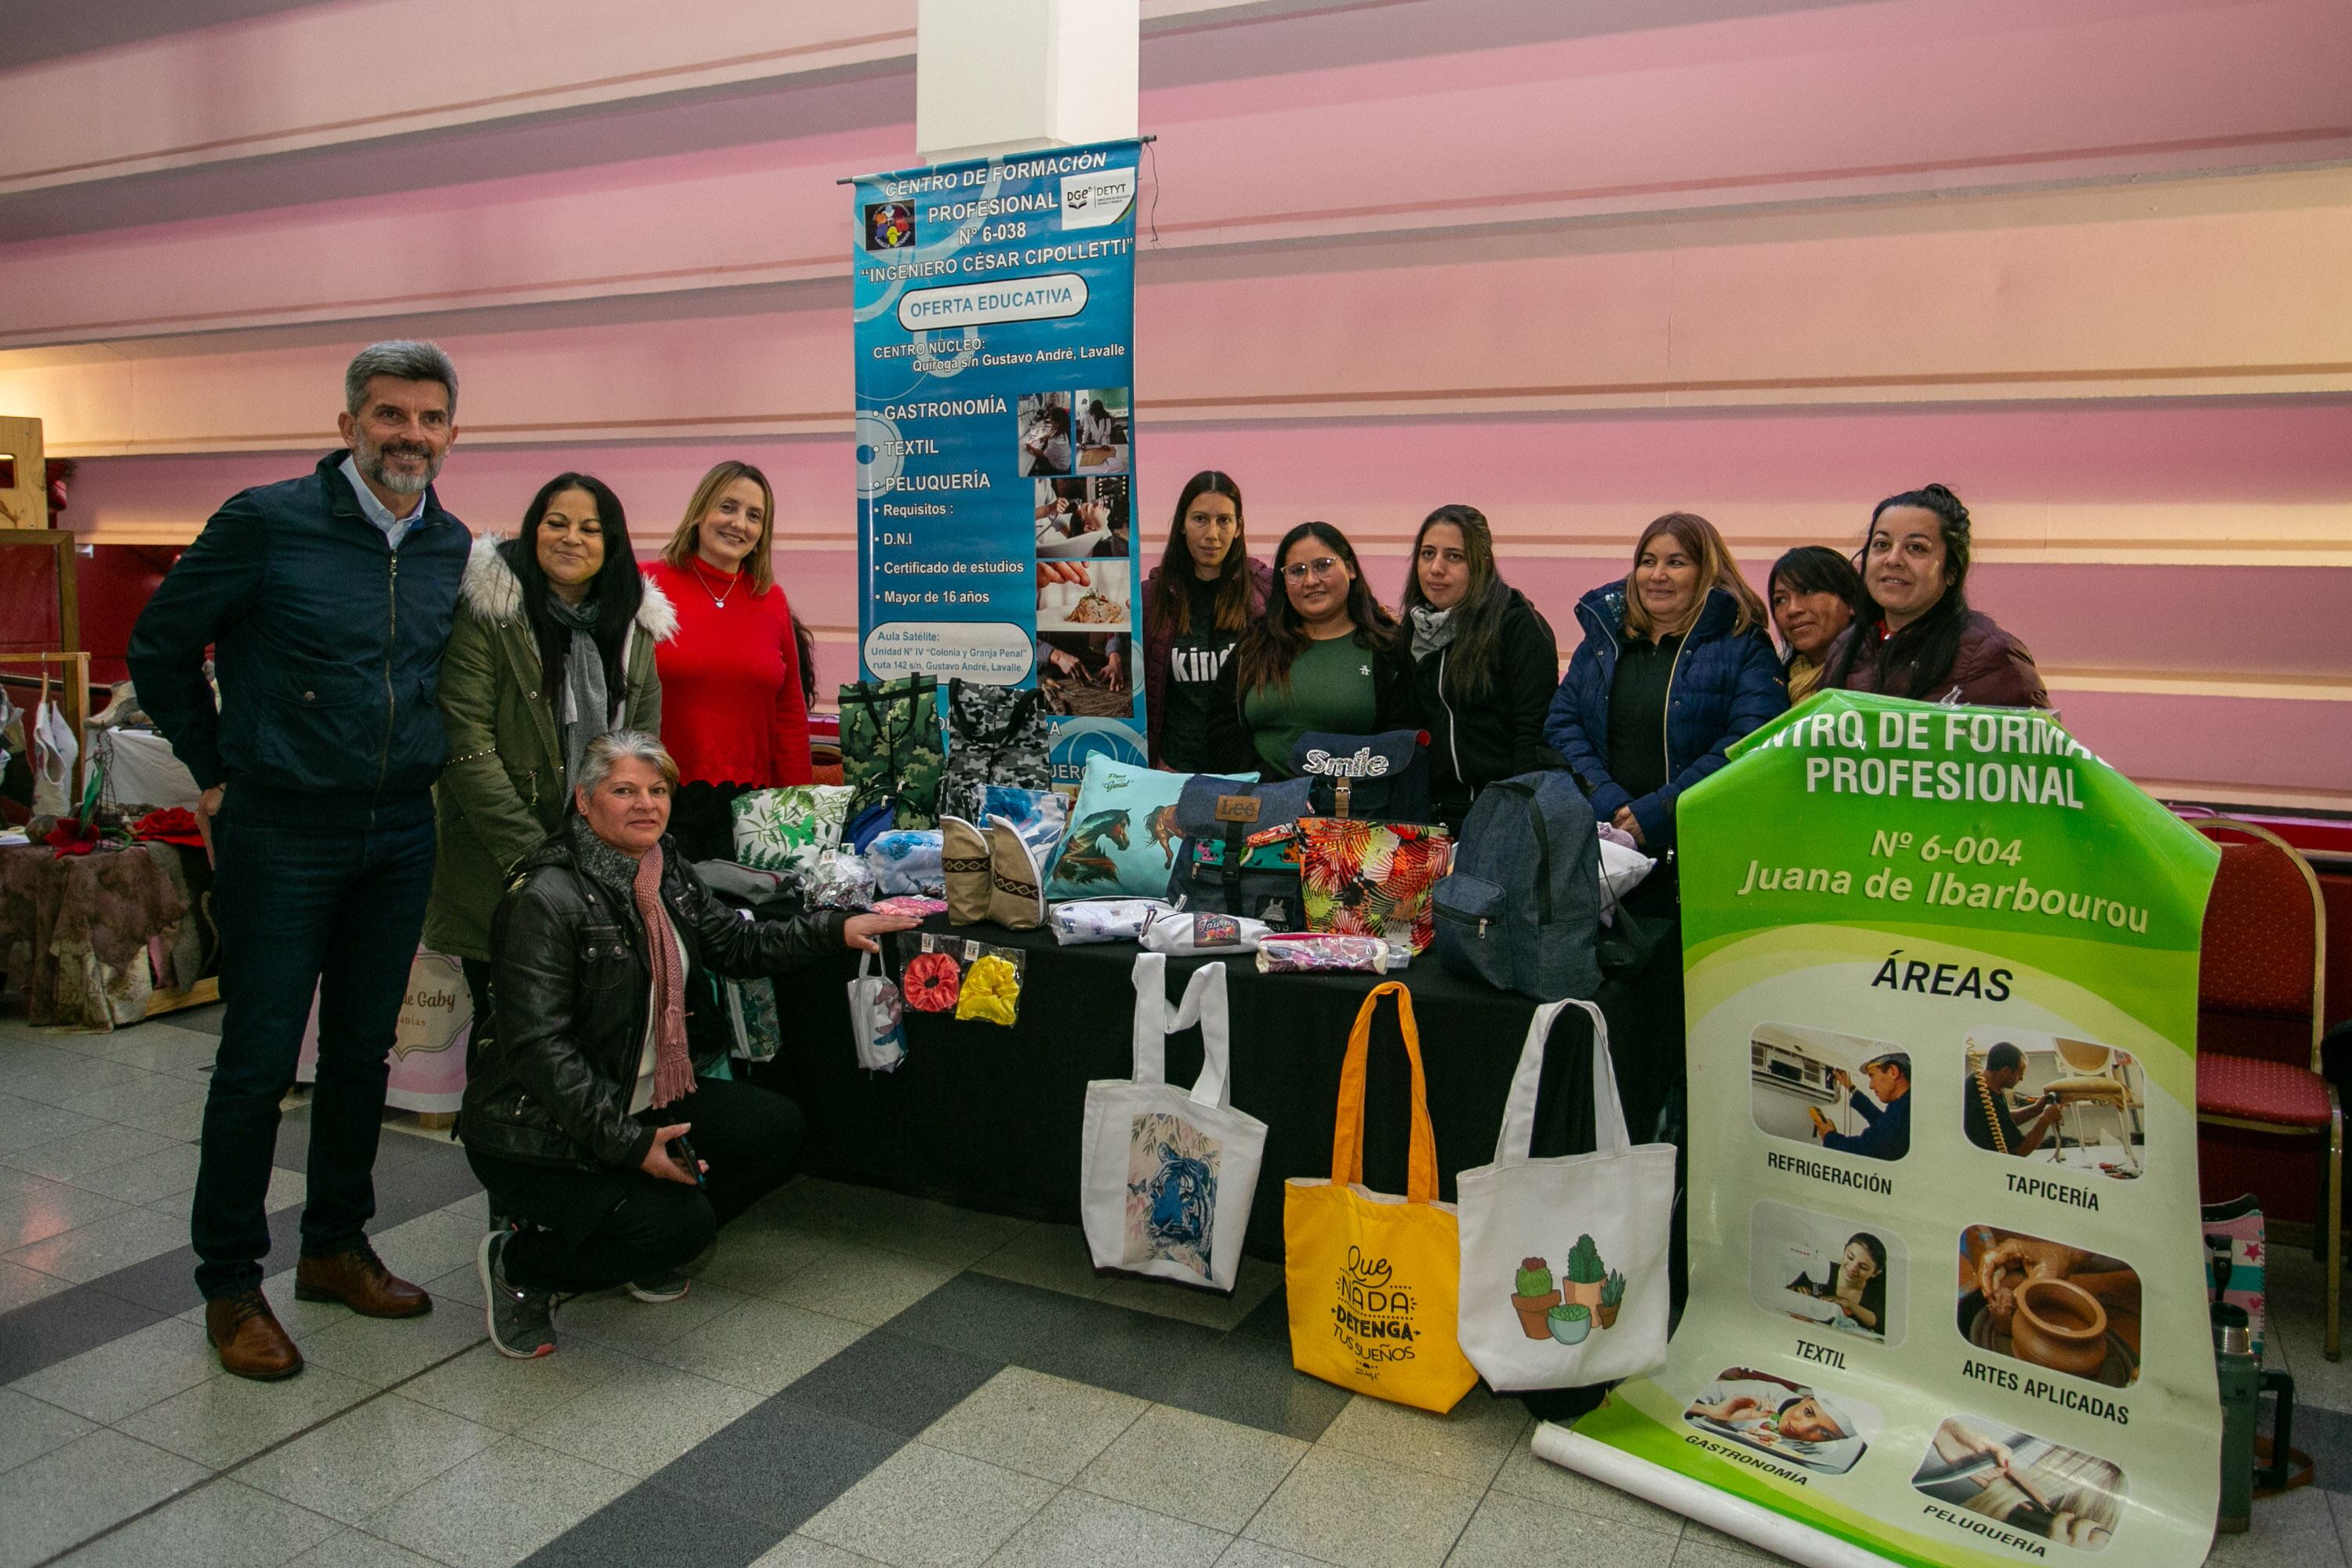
(73, 672)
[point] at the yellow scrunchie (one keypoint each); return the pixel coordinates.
(991, 990)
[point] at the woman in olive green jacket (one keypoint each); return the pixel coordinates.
(552, 644)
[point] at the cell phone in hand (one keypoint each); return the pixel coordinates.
(688, 1161)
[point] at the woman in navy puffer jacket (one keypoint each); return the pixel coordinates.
(1676, 665)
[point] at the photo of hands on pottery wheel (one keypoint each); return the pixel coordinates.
(2050, 1305)
(2028, 1483)
(1787, 1420)
(1829, 1272)
(2050, 1100)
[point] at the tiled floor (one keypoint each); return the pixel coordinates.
(858, 1378)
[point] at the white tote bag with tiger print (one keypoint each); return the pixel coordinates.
(1171, 1172)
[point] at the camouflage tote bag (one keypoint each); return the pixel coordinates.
(891, 747)
(996, 736)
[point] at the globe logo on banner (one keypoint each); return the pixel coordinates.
(879, 459)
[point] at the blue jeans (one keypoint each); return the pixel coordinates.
(318, 897)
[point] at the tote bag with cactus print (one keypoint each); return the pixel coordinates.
(1372, 878)
(1564, 1260)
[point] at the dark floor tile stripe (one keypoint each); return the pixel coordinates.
(727, 1500)
(781, 1463)
(899, 1386)
(1270, 1318)
(984, 1316)
(1127, 1351)
(1251, 1382)
(420, 1182)
(652, 1524)
(2325, 1435)
(733, 1497)
(60, 1327)
(167, 1281)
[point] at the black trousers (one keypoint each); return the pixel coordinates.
(304, 908)
(588, 1230)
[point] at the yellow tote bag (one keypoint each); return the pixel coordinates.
(1375, 1279)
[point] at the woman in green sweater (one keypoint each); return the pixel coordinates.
(1325, 655)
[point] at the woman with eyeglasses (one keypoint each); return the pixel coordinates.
(1324, 655)
(1197, 602)
(1485, 664)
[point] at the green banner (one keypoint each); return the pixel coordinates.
(1947, 1275)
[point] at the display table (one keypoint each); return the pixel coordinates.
(991, 1118)
(84, 932)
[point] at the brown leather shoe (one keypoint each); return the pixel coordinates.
(249, 1338)
(359, 1279)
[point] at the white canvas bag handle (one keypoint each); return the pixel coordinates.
(1203, 1003)
(1518, 1135)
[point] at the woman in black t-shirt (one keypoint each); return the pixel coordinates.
(1196, 603)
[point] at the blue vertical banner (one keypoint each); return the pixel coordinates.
(995, 328)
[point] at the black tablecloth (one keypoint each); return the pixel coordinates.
(991, 1118)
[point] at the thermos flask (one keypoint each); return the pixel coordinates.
(2240, 1379)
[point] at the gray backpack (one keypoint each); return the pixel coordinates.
(1522, 907)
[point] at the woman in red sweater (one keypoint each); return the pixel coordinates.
(733, 712)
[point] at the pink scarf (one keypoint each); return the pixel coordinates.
(673, 1067)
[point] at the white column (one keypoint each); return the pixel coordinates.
(1013, 75)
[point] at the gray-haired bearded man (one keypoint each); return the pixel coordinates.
(327, 600)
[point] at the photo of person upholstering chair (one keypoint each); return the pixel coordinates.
(1992, 1122)
(577, 1118)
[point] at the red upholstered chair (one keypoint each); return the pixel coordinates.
(2261, 1000)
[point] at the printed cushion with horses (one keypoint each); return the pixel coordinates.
(1122, 836)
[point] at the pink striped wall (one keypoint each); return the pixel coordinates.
(1567, 494)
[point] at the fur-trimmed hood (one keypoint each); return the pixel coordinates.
(494, 593)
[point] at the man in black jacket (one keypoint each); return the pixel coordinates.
(326, 601)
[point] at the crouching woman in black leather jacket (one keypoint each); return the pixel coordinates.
(580, 1105)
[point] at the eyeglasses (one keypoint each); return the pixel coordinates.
(1322, 566)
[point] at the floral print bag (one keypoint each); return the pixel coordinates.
(1372, 878)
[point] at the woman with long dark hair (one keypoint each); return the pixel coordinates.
(1197, 602)
(552, 645)
(1923, 640)
(1674, 666)
(1325, 655)
(1815, 594)
(1485, 664)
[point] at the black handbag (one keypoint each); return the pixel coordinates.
(1220, 870)
(1623, 942)
(1383, 777)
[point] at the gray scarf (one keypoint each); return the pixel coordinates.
(582, 711)
(1432, 629)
